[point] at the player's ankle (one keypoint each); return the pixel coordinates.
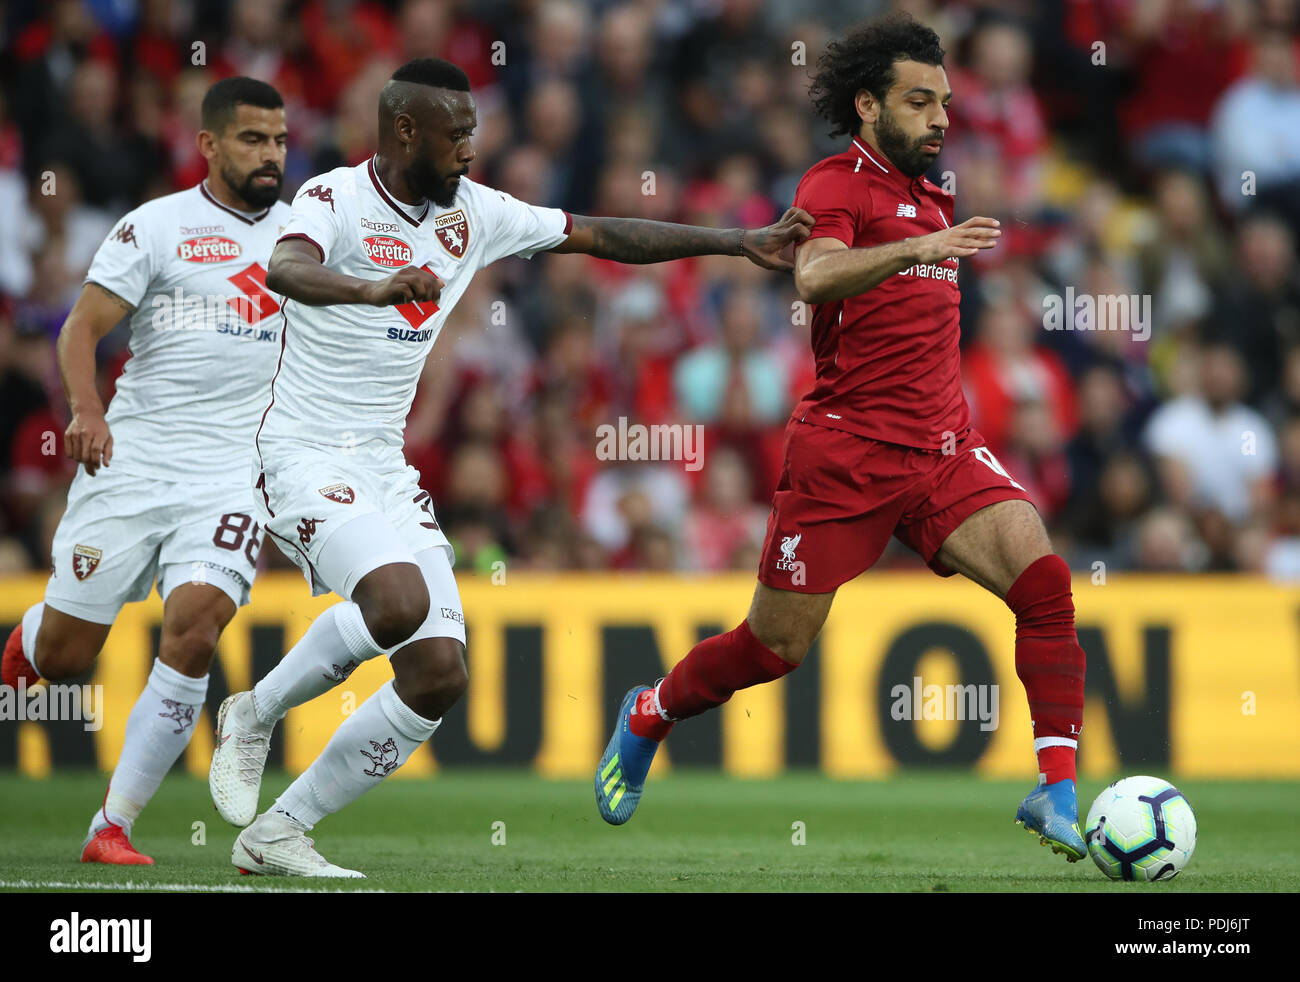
(647, 718)
(1056, 764)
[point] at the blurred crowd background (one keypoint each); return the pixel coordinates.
(1143, 148)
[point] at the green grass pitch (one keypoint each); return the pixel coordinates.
(694, 832)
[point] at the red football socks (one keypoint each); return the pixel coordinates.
(707, 677)
(1050, 663)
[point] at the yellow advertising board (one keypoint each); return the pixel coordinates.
(1196, 676)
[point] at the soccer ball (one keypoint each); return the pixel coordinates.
(1141, 828)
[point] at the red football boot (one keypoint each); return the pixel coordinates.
(110, 845)
(15, 665)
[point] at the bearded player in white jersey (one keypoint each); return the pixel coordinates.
(162, 494)
(371, 263)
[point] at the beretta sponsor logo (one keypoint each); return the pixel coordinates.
(208, 249)
(384, 250)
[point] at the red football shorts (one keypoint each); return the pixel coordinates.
(842, 496)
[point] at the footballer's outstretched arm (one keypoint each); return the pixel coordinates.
(827, 270)
(97, 311)
(297, 271)
(637, 240)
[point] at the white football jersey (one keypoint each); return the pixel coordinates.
(205, 335)
(348, 372)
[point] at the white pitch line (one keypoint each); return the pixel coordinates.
(130, 885)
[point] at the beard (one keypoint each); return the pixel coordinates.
(429, 182)
(254, 194)
(905, 153)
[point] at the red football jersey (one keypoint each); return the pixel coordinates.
(888, 365)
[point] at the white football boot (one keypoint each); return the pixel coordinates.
(276, 845)
(235, 778)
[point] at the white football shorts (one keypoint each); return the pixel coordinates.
(122, 532)
(304, 498)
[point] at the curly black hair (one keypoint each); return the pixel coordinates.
(864, 59)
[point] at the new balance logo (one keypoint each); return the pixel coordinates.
(906, 211)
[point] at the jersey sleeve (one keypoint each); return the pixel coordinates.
(837, 213)
(520, 229)
(316, 215)
(125, 262)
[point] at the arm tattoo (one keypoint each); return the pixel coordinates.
(635, 240)
(113, 296)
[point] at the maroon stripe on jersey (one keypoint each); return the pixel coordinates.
(203, 189)
(374, 179)
(284, 336)
(266, 497)
(568, 223)
(310, 567)
(302, 235)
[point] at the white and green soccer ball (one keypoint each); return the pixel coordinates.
(1140, 828)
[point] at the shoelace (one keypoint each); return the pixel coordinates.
(250, 756)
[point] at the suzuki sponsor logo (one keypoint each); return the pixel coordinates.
(384, 250)
(401, 334)
(208, 249)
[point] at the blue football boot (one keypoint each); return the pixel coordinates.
(1052, 812)
(620, 775)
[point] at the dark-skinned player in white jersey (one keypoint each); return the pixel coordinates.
(372, 261)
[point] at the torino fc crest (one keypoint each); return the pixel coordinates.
(85, 560)
(340, 493)
(452, 230)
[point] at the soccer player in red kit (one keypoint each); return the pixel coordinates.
(883, 444)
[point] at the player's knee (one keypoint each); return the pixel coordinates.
(59, 658)
(789, 649)
(431, 676)
(189, 648)
(393, 614)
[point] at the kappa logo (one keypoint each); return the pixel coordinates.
(452, 230)
(906, 211)
(306, 529)
(85, 560)
(125, 234)
(322, 194)
(788, 545)
(181, 714)
(425, 501)
(384, 759)
(341, 493)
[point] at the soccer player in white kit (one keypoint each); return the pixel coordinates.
(162, 494)
(371, 263)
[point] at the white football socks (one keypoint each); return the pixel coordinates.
(370, 744)
(157, 732)
(31, 627)
(335, 644)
